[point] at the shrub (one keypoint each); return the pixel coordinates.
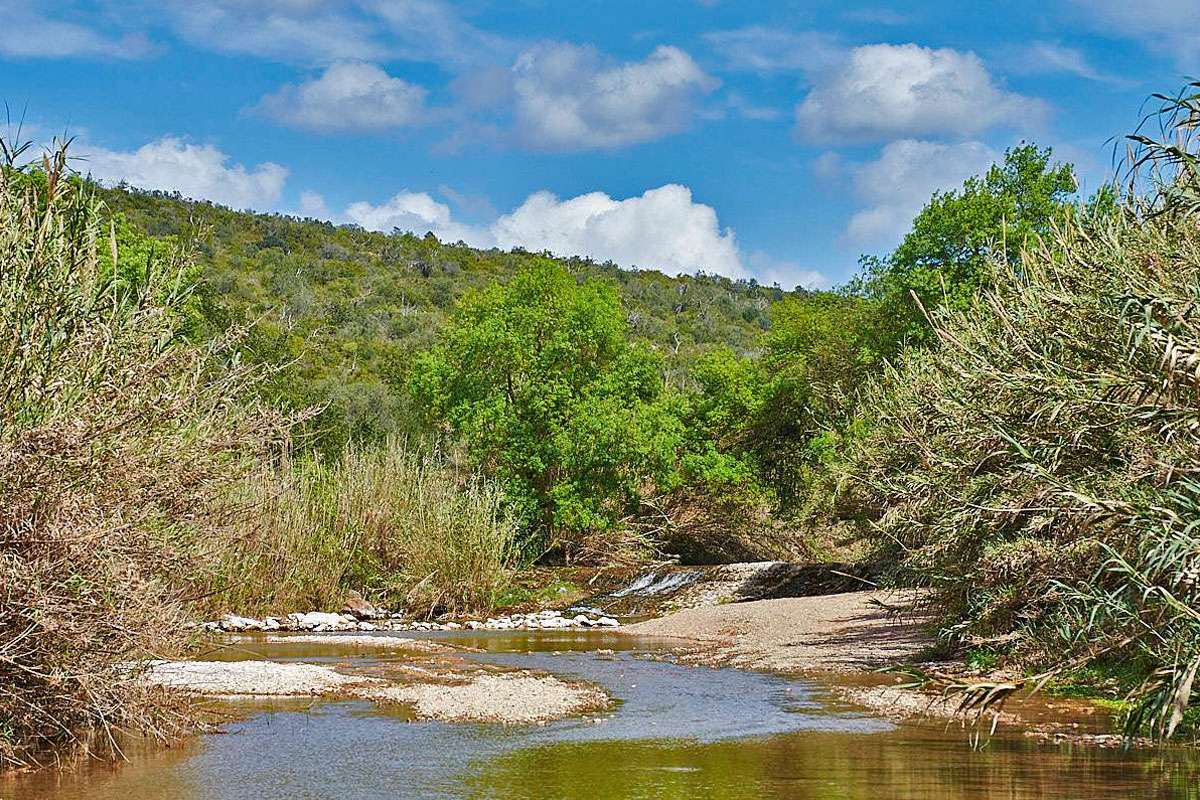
(117, 443)
(1038, 466)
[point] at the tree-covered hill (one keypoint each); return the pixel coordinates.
(347, 308)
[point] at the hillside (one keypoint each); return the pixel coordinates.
(347, 307)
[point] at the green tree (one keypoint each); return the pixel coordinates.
(944, 259)
(539, 379)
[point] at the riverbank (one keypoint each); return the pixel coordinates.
(846, 632)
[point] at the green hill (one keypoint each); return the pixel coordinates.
(347, 308)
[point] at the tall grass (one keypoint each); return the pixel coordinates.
(391, 522)
(1040, 467)
(117, 443)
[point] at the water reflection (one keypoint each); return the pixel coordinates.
(679, 733)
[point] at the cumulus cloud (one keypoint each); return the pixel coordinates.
(761, 49)
(897, 185)
(418, 213)
(348, 96)
(197, 171)
(568, 98)
(28, 32)
(886, 91)
(663, 228)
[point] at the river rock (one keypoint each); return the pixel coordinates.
(236, 624)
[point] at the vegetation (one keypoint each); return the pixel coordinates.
(390, 521)
(1004, 409)
(1037, 465)
(116, 447)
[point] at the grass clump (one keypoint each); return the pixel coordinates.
(1040, 466)
(397, 524)
(117, 443)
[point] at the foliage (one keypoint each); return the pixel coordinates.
(1037, 467)
(539, 379)
(387, 521)
(117, 445)
(943, 260)
(344, 311)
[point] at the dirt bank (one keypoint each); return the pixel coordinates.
(834, 633)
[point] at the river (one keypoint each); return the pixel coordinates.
(677, 732)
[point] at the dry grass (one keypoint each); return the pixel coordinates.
(116, 443)
(389, 521)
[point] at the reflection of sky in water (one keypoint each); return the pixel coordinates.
(680, 732)
(344, 750)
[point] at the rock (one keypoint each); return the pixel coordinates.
(474, 625)
(366, 626)
(271, 624)
(359, 607)
(607, 622)
(452, 626)
(581, 619)
(318, 620)
(234, 623)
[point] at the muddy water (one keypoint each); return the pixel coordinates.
(678, 732)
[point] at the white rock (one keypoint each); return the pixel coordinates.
(474, 625)
(452, 626)
(320, 620)
(607, 622)
(366, 626)
(271, 624)
(580, 619)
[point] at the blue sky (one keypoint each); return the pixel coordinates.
(778, 140)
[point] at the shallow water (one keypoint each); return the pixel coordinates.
(678, 732)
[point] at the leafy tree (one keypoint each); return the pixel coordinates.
(944, 259)
(539, 379)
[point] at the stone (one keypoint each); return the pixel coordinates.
(607, 622)
(234, 623)
(271, 624)
(366, 626)
(319, 620)
(359, 607)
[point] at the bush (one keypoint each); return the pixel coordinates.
(1038, 466)
(117, 443)
(385, 520)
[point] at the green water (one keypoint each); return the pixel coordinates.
(679, 732)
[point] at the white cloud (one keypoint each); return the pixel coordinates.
(287, 30)
(885, 91)
(348, 96)
(418, 213)
(788, 274)
(1167, 27)
(308, 31)
(29, 33)
(566, 98)
(1048, 57)
(761, 49)
(898, 184)
(197, 171)
(661, 229)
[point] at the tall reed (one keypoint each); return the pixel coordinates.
(389, 521)
(117, 444)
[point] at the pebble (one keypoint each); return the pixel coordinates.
(320, 621)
